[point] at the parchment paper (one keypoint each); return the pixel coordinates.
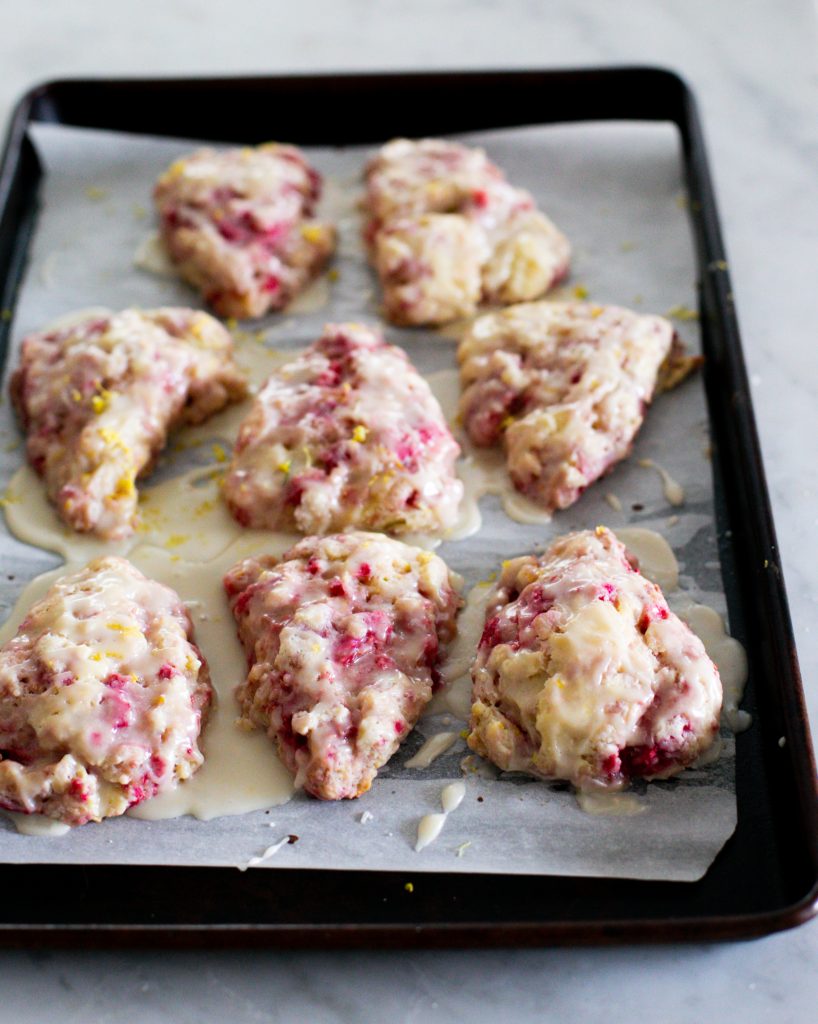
(616, 190)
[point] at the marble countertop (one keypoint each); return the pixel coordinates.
(753, 66)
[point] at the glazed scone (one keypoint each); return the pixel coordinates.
(564, 387)
(240, 225)
(103, 695)
(446, 231)
(584, 674)
(347, 434)
(98, 398)
(343, 637)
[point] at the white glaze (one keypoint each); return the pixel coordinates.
(452, 796)
(618, 805)
(673, 490)
(432, 749)
(429, 828)
(654, 554)
(729, 656)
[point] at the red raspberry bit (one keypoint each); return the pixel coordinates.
(337, 588)
(611, 765)
(116, 680)
(491, 633)
(271, 283)
(480, 198)
(364, 571)
(77, 790)
(167, 671)
(158, 766)
(400, 727)
(608, 592)
(651, 614)
(313, 566)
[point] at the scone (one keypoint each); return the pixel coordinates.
(565, 388)
(343, 637)
(103, 694)
(240, 225)
(446, 231)
(347, 434)
(584, 674)
(98, 398)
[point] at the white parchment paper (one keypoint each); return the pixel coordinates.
(616, 190)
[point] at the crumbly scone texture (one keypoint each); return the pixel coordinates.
(564, 387)
(240, 225)
(584, 674)
(343, 637)
(347, 434)
(98, 398)
(103, 693)
(446, 231)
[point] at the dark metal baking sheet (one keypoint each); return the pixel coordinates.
(766, 877)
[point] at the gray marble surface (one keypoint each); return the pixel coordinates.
(752, 63)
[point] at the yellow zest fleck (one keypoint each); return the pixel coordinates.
(360, 434)
(409, 887)
(118, 627)
(307, 456)
(176, 170)
(219, 454)
(506, 422)
(333, 274)
(96, 656)
(231, 323)
(312, 233)
(424, 557)
(124, 486)
(580, 291)
(464, 734)
(159, 701)
(113, 655)
(596, 311)
(558, 681)
(190, 663)
(316, 648)
(76, 395)
(101, 401)
(96, 193)
(284, 467)
(600, 531)
(176, 540)
(204, 508)
(112, 438)
(682, 313)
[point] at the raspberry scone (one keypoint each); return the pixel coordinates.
(447, 231)
(240, 225)
(347, 434)
(98, 398)
(343, 638)
(103, 694)
(583, 673)
(564, 387)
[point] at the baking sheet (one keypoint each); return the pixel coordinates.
(616, 191)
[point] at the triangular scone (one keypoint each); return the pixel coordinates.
(98, 398)
(583, 673)
(564, 386)
(447, 231)
(343, 637)
(239, 225)
(103, 693)
(347, 434)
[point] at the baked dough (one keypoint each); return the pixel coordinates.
(447, 231)
(583, 673)
(240, 225)
(343, 637)
(98, 398)
(564, 387)
(347, 434)
(103, 695)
